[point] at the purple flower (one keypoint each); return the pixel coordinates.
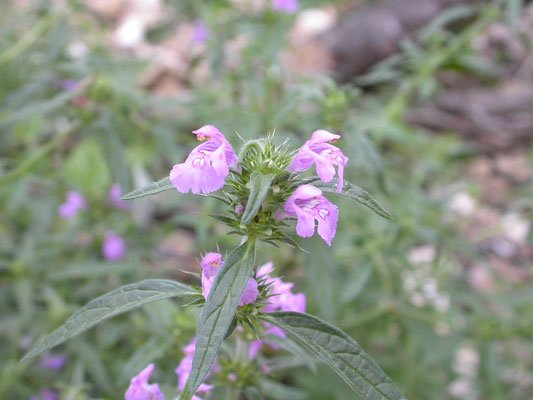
(184, 369)
(139, 388)
(207, 166)
(281, 298)
(74, 203)
(211, 264)
(318, 150)
(308, 204)
(56, 363)
(114, 195)
(200, 32)
(113, 247)
(286, 6)
(68, 85)
(46, 394)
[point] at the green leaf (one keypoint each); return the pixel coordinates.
(351, 191)
(339, 351)
(276, 390)
(118, 301)
(151, 189)
(87, 168)
(218, 312)
(258, 192)
(32, 161)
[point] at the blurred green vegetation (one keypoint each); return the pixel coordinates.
(110, 130)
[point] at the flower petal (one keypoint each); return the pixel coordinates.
(250, 293)
(327, 223)
(323, 136)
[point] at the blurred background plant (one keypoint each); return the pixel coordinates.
(433, 100)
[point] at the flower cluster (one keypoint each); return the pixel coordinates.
(207, 169)
(184, 370)
(114, 246)
(280, 298)
(275, 294)
(140, 389)
(211, 264)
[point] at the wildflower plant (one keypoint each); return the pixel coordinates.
(266, 194)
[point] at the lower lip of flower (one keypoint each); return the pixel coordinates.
(199, 160)
(323, 212)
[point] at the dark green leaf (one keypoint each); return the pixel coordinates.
(225, 219)
(118, 301)
(258, 192)
(218, 312)
(339, 351)
(351, 191)
(153, 188)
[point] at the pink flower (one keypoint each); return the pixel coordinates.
(308, 204)
(73, 204)
(318, 150)
(281, 298)
(114, 247)
(139, 388)
(207, 166)
(200, 32)
(184, 369)
(55, 363)
(114, 195)
(211, 264)
(286, 6)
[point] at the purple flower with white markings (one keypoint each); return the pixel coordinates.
(114, 247)
(207, 166)
(320, 151)
(140, 389)
(55, 363)
(184, 369)
(211, 264)
(308, 204)
(73, 204)
(286, 6)
(114, 195)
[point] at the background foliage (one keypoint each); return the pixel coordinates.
(429, 295)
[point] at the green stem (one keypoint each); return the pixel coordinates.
(26, 41)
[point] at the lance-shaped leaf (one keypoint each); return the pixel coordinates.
(260, 185)
(109, 305)
(218, 312)
(149, 190)
(339, 351)
(351, 191)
